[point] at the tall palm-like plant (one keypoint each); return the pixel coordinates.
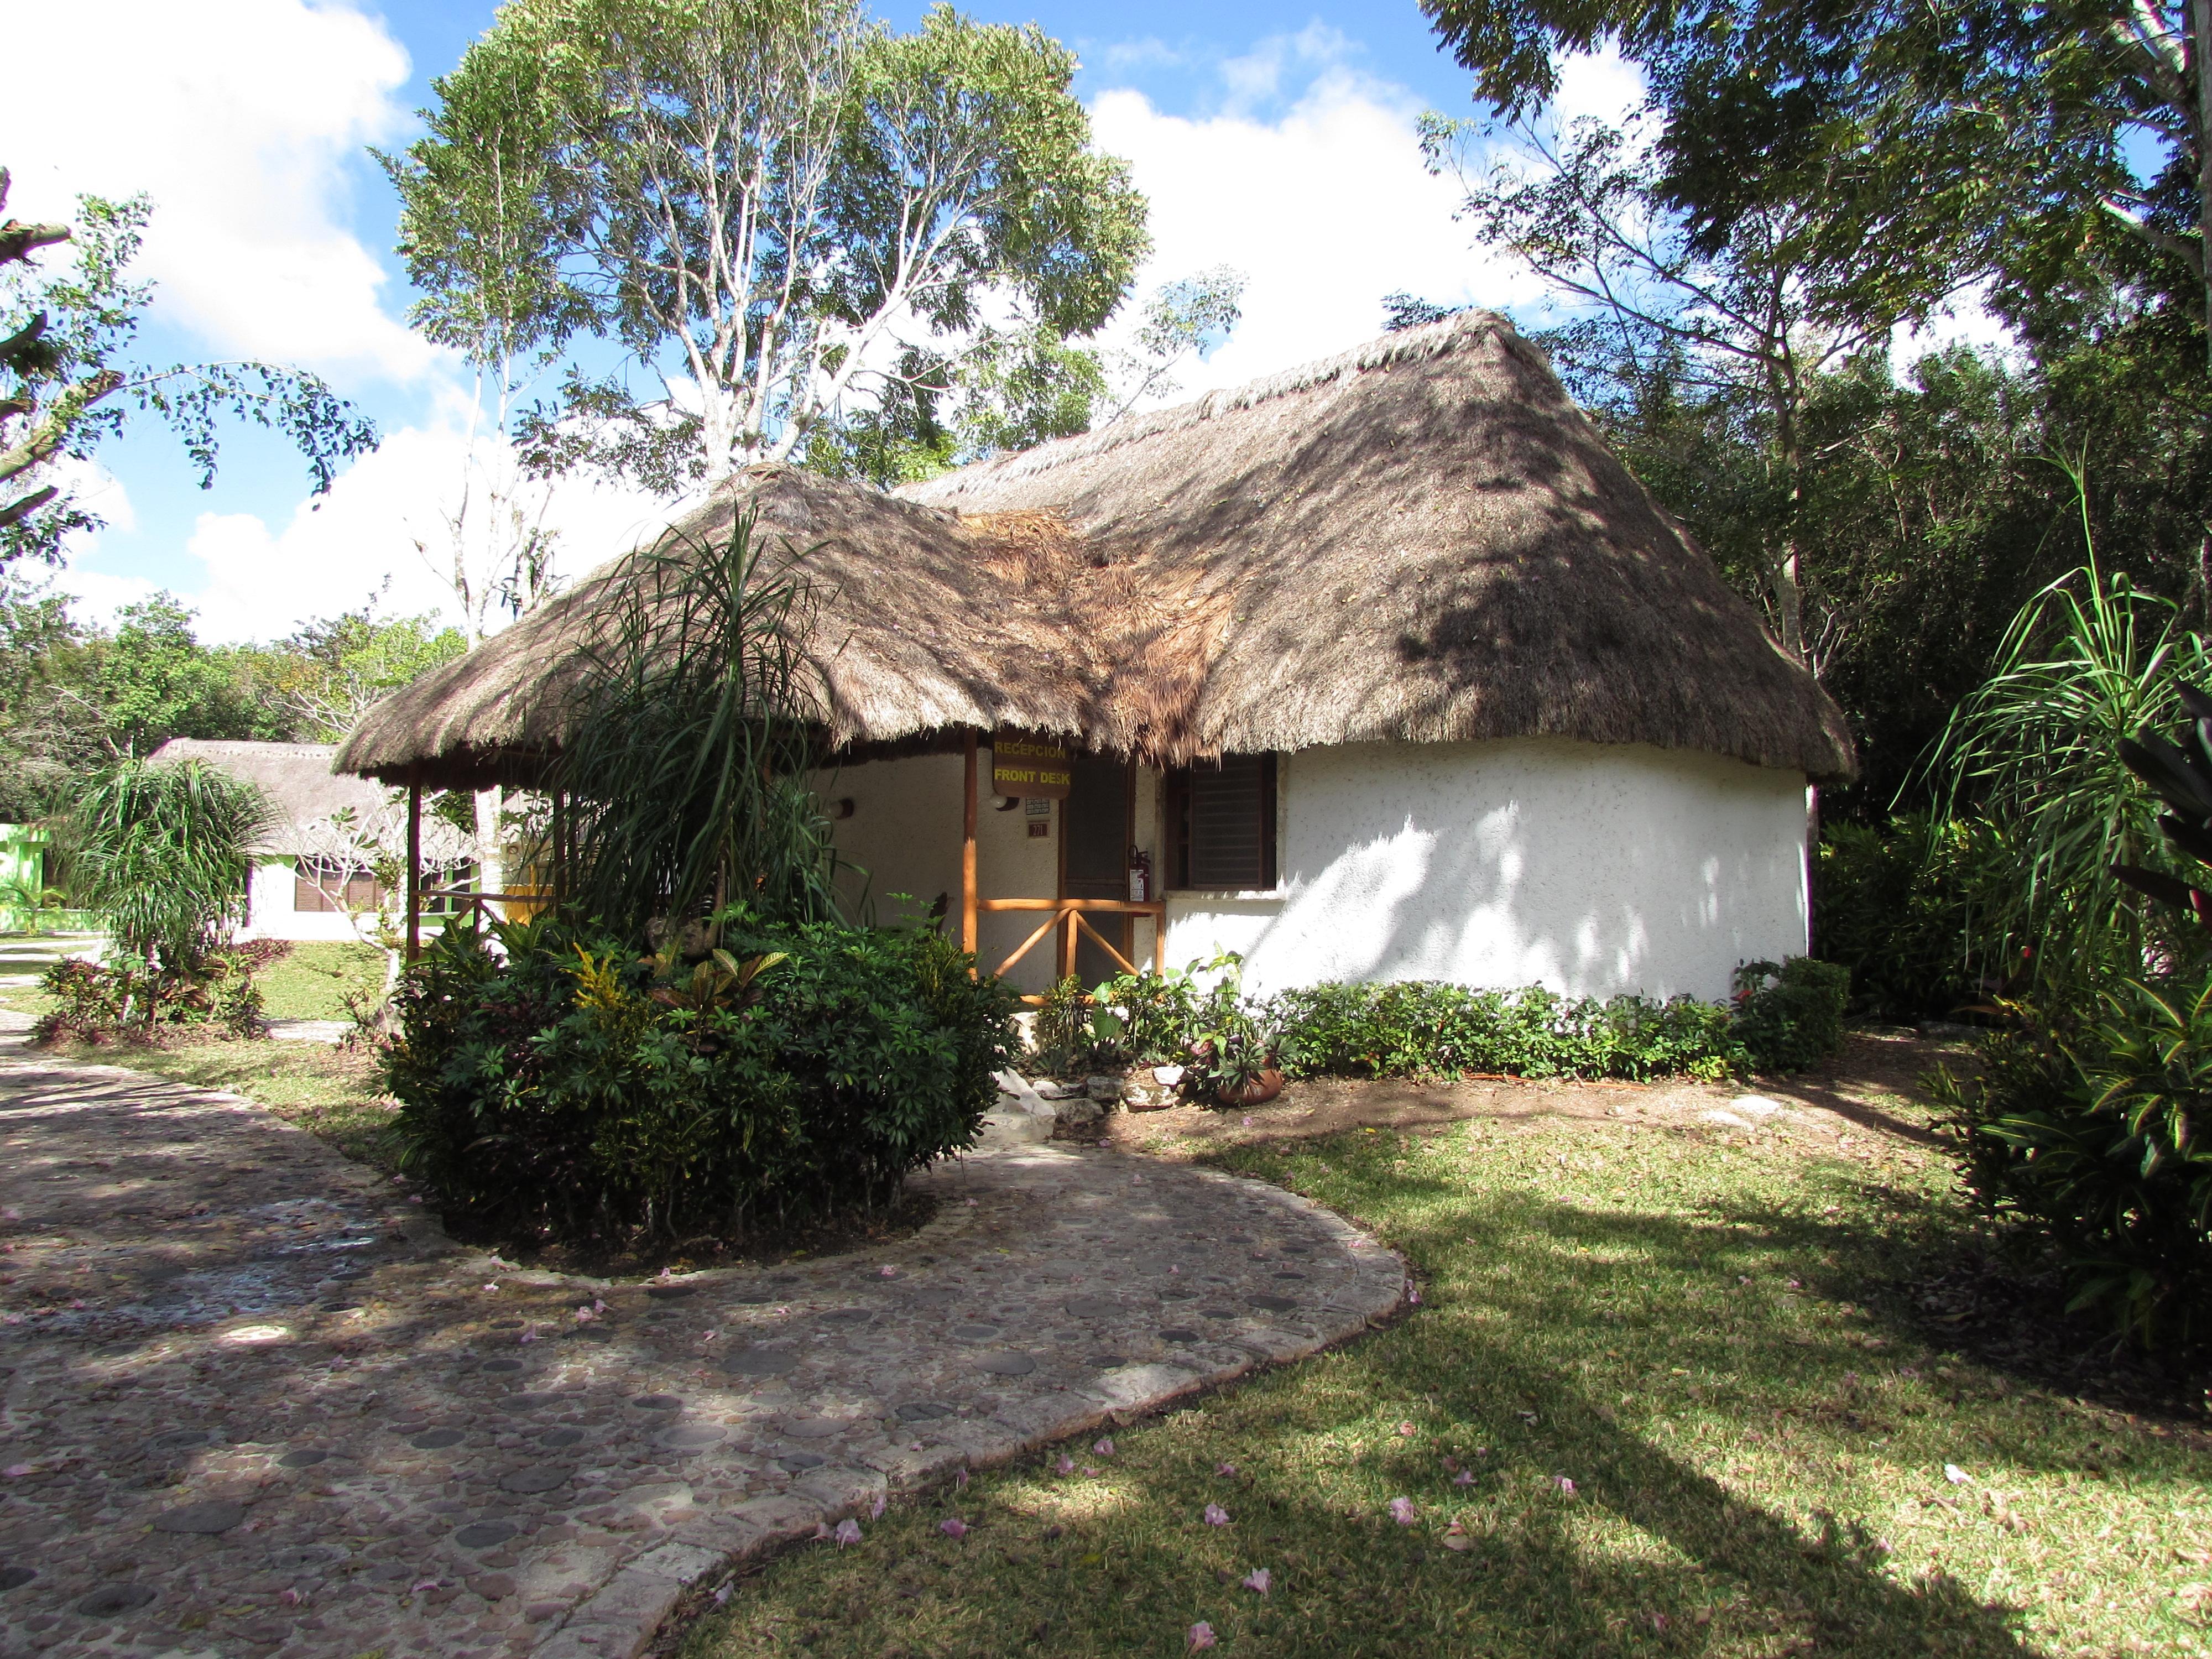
(2039, 749)
(164, 853)
(692, 738)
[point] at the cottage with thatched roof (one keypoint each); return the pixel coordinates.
(315, 867)
(1382, 668)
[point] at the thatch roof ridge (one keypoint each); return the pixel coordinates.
(1454, 333)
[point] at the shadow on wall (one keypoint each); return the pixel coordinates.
(1593, 871)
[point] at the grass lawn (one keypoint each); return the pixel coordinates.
(311, 980)
(1704, 1330)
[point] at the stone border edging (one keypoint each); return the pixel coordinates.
(623, 1616)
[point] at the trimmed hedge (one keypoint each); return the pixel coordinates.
(553, 1082)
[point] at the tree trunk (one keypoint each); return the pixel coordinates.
(491, 855)
(2200, 68)
(1783, 580)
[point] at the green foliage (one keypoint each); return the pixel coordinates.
(68, 382)
(1423, 1029)
(2095, 1133)
(688, 751)
(96, 1002)
(164, 854)
(553, 1081)
(1906, 906)
(774, 210)
(1201, 1019)
(1789, 1015)
(2086, 664)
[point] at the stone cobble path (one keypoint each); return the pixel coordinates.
(254, 1402)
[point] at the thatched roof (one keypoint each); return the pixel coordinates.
(1422, 540)
(318, 813)
(295, 776)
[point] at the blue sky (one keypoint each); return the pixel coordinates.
(1278, 141)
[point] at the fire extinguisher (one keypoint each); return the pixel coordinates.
(1141, 875)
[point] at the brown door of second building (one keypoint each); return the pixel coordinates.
(1097, 825)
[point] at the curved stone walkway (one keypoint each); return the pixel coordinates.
(256, 1403)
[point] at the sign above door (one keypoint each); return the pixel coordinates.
(1024, 764)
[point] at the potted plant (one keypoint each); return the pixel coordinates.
(1233, 1059)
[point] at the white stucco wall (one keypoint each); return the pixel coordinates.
(269, 914)
(1591, 869)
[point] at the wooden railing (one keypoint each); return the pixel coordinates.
(530, 900)
(1068, 915)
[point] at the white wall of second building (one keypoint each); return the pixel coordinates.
(269, 914)
(1591, 869)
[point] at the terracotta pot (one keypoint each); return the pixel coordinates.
(1257, 1092)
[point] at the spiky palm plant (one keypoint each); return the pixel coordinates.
(692, 745)
(164, 854)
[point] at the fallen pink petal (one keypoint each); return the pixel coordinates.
(953, 1526)
(1104, 1448)
(17, 1471)
(960, 1479)
(1259, 1579)
(1464, 1478)
(1566, 1486)
(1225, 1468)
(1402, 1511)
(1202, 1635)
(876, 1509)
(848, 1532)
(1216, 1516)
(1407, 1430)
(1065, 1466)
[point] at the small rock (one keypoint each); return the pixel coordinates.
(208, 1517)
(492, 1586)
(1755, 1106)
(1168, 1077)
(1078, 1108)
(1102, 1088)
(1725, 1118)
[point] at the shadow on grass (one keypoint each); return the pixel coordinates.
(1648, 1553)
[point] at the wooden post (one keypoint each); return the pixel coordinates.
(967, 850)
(1160, 941)
(414, 863)
(1067, 947)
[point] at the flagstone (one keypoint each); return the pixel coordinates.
(287, 1402)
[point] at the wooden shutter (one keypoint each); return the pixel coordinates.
(306, 894)
(1225, 816)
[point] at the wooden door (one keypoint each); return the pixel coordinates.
(1097, 824)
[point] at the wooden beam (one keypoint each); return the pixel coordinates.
(968, 929)
(413, 864)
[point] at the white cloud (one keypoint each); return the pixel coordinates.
(1602, 84)
(238, 119)
(250, 581)
(1326, 209)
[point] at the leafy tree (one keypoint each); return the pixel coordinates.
(1998, 136)
(776, 209)
(68, 380)
(1751, 318)
(339, 666)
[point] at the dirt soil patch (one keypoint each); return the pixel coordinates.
(1873, 1086)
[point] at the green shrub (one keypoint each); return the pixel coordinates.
(94, 1001)
(2097, 1133)
(1910, 908)
(563, 1085)
(1421, 1028)
(1789, 1018)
